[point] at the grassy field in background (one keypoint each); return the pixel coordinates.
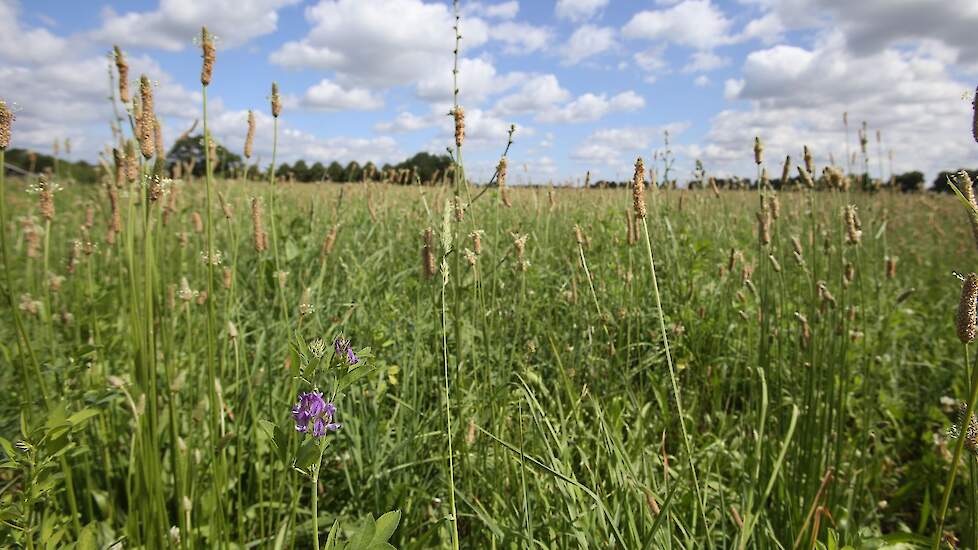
(816, 384)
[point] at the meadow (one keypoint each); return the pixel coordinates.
(510, 367)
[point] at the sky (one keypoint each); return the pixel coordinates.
(589, 84)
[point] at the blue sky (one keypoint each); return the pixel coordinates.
(590, 84)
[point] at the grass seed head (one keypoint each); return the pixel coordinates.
(638, 189)
(250, 138)
(6, 122)
(967, 316)
(276, 101)
(123, 68)
(209, 54)
(458, 113)
(428, 254)
(758, 151)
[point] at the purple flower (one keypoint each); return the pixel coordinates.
(313, 409)
(342, 346)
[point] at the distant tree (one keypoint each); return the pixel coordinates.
(300, 170)
(80, 171)
(352, 172)
(426, 164)
(910, 182)
(335, 171)
(370, 171)
(190, 149)
(282, 171)
(317, 172)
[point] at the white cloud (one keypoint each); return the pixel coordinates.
(405, 122)
(522, 38)
(797, 96)
(477, 80)
(536, 94)
(329, 96)
(618, 147)
(705, 62)
(768, 28)
(502, 10)
(588, 41)
(381, 42)
(697, 24)
(176, 22)
(578, 10)
(701, 81)
(27, 45)
(590, 107)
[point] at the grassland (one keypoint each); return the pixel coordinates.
(812, 398)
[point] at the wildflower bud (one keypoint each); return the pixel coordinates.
(638, 189)
(207, 45)
(967, 317)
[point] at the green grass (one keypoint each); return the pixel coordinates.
(565, 428)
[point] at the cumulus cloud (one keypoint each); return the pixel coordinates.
(330, 96)
(502, 10)
(591, 107)
(618, 147)
(588, 41)
(696, 24)
(796, 96)
(175, 23)
(705, 62)
(578, 10)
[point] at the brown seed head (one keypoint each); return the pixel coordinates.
(853, 227)
(45, 199)
(123, 68)
(158, 139)
(809, 164)
(6, 121)
(209, 53)
(132, 162)
(638, 189)
(963, 181)
(786, 171)
(967, 316)
(428, 254)
(758, 151)
(250, 138)
(276, 101)
(459, 114)
(328, 242)
(891, 264)
(147, 119)
(258, 229)
(806, 177)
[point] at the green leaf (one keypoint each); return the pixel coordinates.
(80, 417)
(307, 454)
(363, 538)
(386, 524)
(291, 250)
(354, 375)
(7, 447)
(331, 537)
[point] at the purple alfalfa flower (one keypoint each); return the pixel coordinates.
(342, 346)
(312, 409)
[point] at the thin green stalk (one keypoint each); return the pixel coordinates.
(675, 384)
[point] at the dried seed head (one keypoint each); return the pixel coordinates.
(764, 226)
(579, 235)
(198, 222)
(459, 209)
(848, 274)
(775, 206)
(208, 52)
(123, 68)
(276, 101)
(806, 331)
(638, 189)
(459, 114)
(891, 264)
(774, 263)
(967, 316)
(519, 243)
(147, 120)
(228, 276)
(258, 229)
(806, 177)
(6, 121)
(758, 151)
(328, 242)
(853, 227)
(809, 165)
(786, 171)
(428, 254)
(476, 237)
(158, 139)
(250, 138)
(45, 199)
(132, 162)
